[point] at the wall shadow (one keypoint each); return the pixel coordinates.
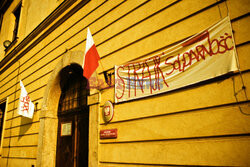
(26, 124)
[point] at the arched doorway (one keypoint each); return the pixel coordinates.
(48, 116)
(73, 119)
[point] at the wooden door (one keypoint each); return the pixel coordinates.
(72, 145)
(73, 119)
(83, 142)
(65, 143)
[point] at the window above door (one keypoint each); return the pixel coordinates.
(74, 90)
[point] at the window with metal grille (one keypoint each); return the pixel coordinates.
(74, 90)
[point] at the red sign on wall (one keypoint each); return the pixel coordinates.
(108, 134)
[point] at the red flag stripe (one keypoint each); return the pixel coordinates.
(91, 62)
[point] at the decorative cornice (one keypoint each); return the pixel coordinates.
(38, 30)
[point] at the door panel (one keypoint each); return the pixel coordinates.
(83, 131)
(74, 145)
(65, 144)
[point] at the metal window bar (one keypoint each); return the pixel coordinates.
(73, 98)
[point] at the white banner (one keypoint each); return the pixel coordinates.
(26, 107)
(205, 55)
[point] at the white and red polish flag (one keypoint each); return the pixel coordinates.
(26, 107)
(91, 57)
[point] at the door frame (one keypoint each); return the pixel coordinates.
(47, 139)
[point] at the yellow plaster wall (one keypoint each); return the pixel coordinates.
(32, 14)
(198, 125)
(37, 11)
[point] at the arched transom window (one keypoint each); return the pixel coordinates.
(74, 90)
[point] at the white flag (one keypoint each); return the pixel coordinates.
(26, 107)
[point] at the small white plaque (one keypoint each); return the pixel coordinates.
(66, 129)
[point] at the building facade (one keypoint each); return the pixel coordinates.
(42, 43)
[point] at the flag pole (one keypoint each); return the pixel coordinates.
(103, 70)
(18, 72)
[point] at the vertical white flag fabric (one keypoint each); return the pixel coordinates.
(26, 107)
